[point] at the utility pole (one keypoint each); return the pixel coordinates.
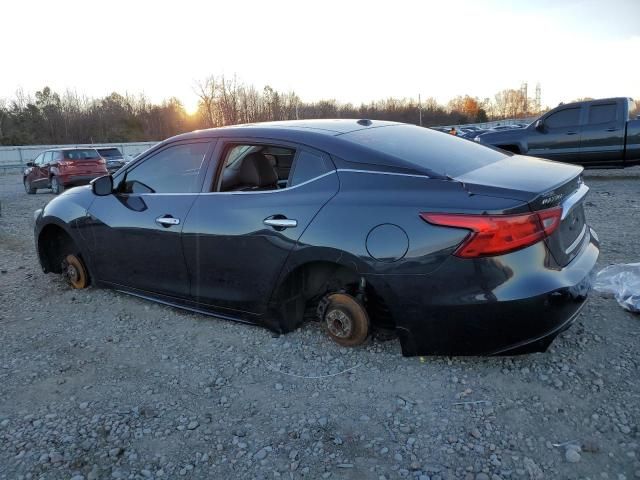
(420, 108)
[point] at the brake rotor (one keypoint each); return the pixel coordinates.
(74, 271)
(345, 319)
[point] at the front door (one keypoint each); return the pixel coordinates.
(40, 174)
(238, 237)
(135, 233)
(560, 138)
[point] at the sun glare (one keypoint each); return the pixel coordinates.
(191, 107)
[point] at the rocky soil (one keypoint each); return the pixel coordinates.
(95, 384)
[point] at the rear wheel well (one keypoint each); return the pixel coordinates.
(510, 148)
(299, 294)
(53, 245)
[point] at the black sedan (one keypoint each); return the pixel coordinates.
(365, 225)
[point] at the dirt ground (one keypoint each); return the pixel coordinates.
(96, 384)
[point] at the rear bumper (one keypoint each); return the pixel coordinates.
(68, 180)
(512, 304)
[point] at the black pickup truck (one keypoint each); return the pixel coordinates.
(596, 133)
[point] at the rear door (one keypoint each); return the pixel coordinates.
(136, 232)
(603, 135)
(236, 242)
(560, 138)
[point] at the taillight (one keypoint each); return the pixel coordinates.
(498, 234)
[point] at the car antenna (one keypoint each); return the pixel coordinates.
(365, 122)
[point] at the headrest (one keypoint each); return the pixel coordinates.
(256, 170)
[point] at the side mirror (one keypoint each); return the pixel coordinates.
(539, 125)
(30, 164)
(102, 186)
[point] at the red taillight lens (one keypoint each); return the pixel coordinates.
(498, 234)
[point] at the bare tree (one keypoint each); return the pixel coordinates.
(206, 92)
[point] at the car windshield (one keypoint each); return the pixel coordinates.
(426, 149)
(110, 153)
(81, 154)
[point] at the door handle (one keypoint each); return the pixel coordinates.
(167, 221)
(280, 222)
(613, 129)
(572, 133)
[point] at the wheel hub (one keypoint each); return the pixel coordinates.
(72, 273)
(339, 323)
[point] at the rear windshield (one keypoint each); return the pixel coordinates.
(439, 152)
(81, 154)
(110, 152)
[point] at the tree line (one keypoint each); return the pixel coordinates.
(48, 117)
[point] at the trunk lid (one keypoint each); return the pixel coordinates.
(542, 184)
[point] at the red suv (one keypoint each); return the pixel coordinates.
(58, 169)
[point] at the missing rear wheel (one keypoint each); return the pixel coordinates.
(346, 320)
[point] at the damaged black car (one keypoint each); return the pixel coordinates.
(366, 225)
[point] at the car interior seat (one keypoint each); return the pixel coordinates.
(253, 172)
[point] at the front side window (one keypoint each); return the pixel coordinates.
(175, 169)
(39, 159)
(568, 117)
(47, 157)
(604, 113)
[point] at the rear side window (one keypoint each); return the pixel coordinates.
(426, 149)
(604, 113)
(308, 166)
(172, 170)
(84, 154)
(564, 118)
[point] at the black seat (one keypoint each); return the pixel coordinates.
(253, 172)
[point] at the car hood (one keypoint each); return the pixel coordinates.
(518, 177)
(502, 136)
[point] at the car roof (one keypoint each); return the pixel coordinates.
(327, 127)
(68, 149)
(595, 100)
(334, 137)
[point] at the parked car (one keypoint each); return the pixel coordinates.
(595, 133)
(499, 128)
(471, 132)
(113, 156)
(458, 248)
(61, 168)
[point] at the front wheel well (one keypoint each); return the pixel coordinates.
(54, 243)
(298, 295)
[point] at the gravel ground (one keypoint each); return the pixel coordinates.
(96, 384)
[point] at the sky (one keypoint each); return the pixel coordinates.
(350, 50)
